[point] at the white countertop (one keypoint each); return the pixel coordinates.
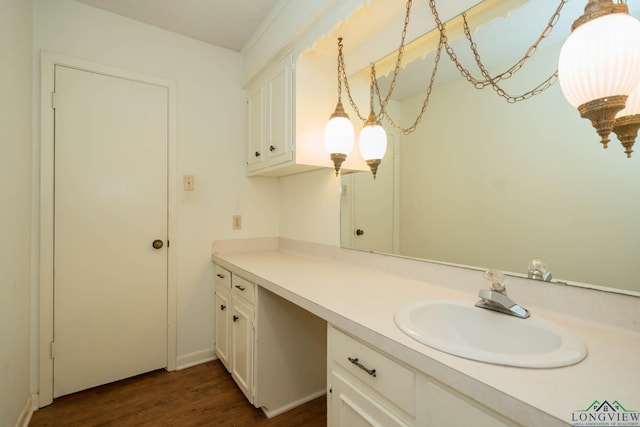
(363, 302)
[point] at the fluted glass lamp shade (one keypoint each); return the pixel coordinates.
(373, 145)
(339, 136)
(627, 122)
(599, 66)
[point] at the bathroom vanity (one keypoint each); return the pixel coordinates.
(376, 372)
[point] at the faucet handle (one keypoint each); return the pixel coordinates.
(496, 280)
(538, 270)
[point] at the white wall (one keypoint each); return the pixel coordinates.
(211, 133)
(310, 207)
(15, 208)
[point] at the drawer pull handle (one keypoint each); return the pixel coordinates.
(240, 287)
(354, 360)
(222, 307)
(220, 275)
(235, 318)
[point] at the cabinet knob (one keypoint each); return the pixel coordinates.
(272, 148)
(235, 318)
(157, 244)
(222, 307)
(257, 154)
(359, 232)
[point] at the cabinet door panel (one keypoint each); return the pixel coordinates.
(450, 409)
(242, 346)
(350, 407)
(279, 121)
(256, 158)
(222, 310)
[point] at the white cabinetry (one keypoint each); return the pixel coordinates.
(288, 105)
(368, 388)
(222, 314)
(270, 118)
(275, 350)
(242, 334)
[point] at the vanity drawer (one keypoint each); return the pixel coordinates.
(243, 288)
(386, 376)
(222, 276)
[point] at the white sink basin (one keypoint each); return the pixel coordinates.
(467, 331)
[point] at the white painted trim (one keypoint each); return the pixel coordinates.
(47, 81)
(27, 412)
(196, 358)
(283, 409)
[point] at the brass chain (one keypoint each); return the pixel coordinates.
(425, 103)
(392, 86)
(480, 84)
(444, 43)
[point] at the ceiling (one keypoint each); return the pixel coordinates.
(226, 23)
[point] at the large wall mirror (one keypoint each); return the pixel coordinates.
(490, 184)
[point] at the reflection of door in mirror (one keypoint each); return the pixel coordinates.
(368, 209)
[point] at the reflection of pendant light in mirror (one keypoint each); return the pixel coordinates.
(373, 143)
(628, 122)
(599, 64)
(373, 137)
(338, 132)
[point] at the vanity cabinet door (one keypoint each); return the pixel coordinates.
(446, 407)
(350, 406)
(242, 347)
(222, 325)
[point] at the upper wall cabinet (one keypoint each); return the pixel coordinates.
(288, 105)
(270, 118)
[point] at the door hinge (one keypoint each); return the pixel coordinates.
(52, 350)
(53, 100)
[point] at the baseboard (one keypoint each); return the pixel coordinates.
(193, 359)
(283, 409)
(25, 416)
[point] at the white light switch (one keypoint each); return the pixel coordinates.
(189, 183)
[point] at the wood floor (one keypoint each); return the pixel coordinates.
(204, 395)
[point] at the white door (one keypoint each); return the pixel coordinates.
(372, 227)
(110, 283)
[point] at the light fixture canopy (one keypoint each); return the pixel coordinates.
(599, 64)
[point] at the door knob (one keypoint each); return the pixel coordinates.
(157, 244)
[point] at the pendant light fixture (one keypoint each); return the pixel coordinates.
(628, 122)
(373, 137)
(338, 132)
(599, 64)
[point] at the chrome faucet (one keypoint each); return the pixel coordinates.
(496, 298)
